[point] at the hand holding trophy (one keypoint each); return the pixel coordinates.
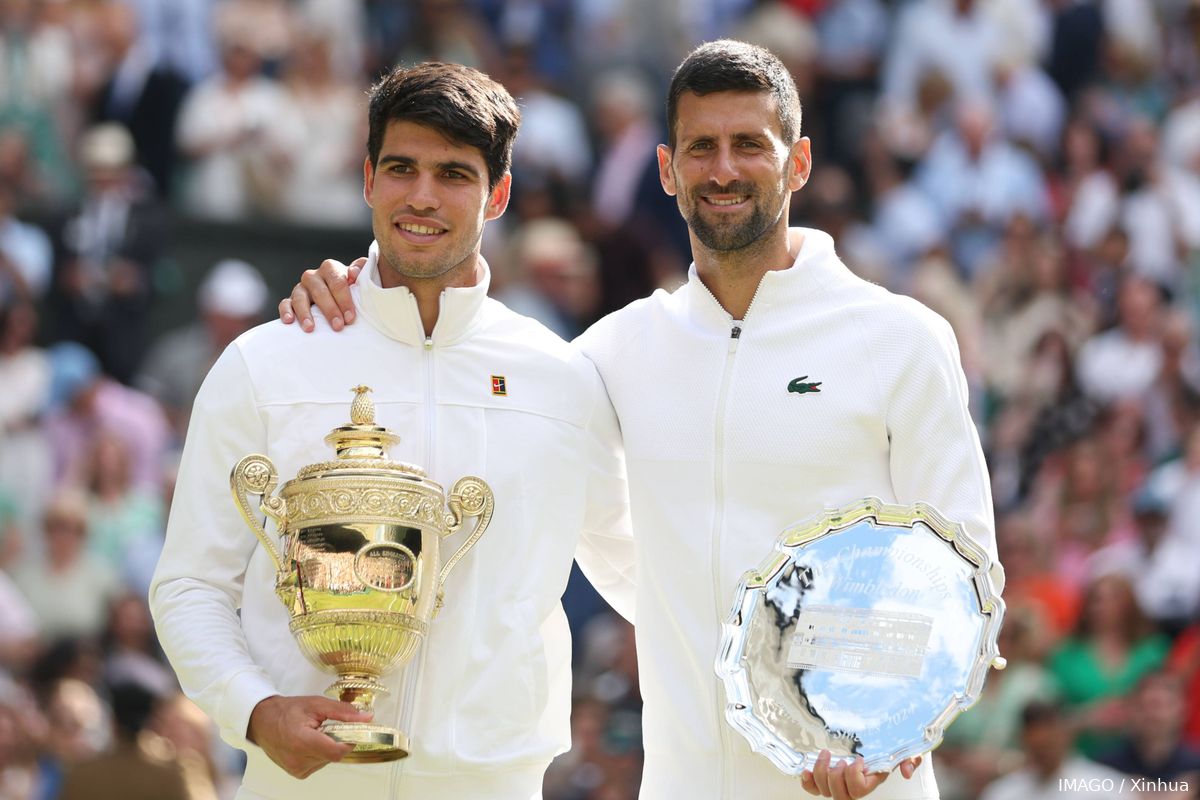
(358, 566)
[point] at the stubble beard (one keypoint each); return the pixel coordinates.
(419, 269)
(730, 236)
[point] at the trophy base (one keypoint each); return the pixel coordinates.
(373, 744)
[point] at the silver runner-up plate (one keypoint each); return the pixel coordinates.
(866, 632)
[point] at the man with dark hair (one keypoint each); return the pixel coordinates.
(1153, 748)
(1052, 770)
(486, 699)
(722, 453)
(134, 768)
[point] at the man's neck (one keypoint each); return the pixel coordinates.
(733, 276)
(428, 291)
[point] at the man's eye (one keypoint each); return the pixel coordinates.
(455, 175)
(400, 169)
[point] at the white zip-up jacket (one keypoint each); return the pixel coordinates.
(722, 458)
(486, 701)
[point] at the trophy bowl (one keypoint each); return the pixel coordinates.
(865, 632)
(358, 565)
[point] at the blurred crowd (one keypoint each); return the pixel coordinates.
(1030, 169)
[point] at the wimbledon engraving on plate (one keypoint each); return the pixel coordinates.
(860, 640)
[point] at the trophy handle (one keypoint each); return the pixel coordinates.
(256, 474)
(469, 497)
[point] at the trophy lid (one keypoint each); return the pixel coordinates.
(362, 444)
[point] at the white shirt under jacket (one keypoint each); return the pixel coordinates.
(721, 458)
(486, 701)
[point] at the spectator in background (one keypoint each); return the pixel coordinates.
(852, 35)
(19, 639)
(136, 768)
(68, 589)
(640, 241)
(1085, 189)
(181, 723)
(1113, 646)
(978, 182)
(1123, 362)
(439, 30)
(1153, 748)
(179, 35)
(142, 94)
(904, 221)
(1031, 108)
(230, 301)
(1160, 206)
(22, 727)
(86, 404)
(26, 257)
(1026, 293)
(325, 186)
(1163, 569)
(125, 523)
(1052, 771)
(131, 651)
(956, 39)
(26, 464)
(552, 151)
(238, 133)
(111, 246)
(36, 91)
(553, 277)
(79, 728)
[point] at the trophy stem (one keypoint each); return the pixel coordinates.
(372, 743)
(360, 690)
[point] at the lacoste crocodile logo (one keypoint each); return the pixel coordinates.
(800, 387)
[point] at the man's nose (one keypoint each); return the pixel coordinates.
(423, 194)
(724, 169)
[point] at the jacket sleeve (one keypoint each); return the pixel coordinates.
(935, 452)
(606, 552)
(197, 588)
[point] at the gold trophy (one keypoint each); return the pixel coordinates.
(358, 567)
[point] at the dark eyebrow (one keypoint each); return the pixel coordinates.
(442, 166)
(460, 166)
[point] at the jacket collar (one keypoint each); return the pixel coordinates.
(816, 268)
(394, 311)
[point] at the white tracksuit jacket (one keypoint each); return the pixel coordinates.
(486, 700)
(721, 457)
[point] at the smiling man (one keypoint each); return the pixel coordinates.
(773, 384)
(486, 700)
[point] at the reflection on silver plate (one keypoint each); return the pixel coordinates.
(866, 631)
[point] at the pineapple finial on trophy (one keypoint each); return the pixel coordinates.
(362, 410)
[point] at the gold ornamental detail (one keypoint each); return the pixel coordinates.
(379, 466)
(352, 616)
(373, 502)
(329, 501)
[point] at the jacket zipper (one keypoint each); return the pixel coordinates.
(718, 521)
(417, 668)
(735, 335)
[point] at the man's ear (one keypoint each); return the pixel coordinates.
(666, 175)
(799, 163)
(368, 179)
(498, 201)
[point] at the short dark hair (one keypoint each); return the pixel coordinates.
(728, 65)
(1041, 712)
(461, 103)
